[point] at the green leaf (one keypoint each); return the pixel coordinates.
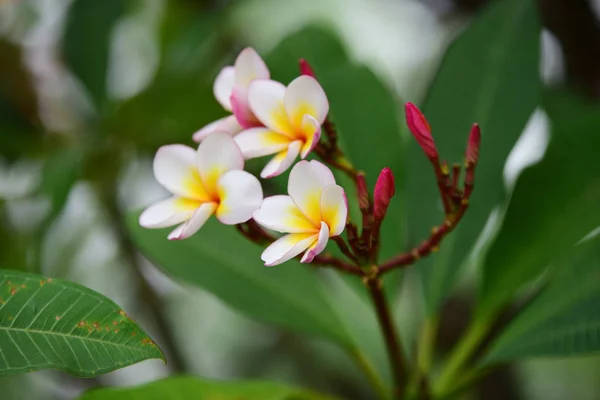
(87, 41)
(50, 323)
(490, 75)
(226, 264)
(554, 204)
(196, 388)
(564, 320)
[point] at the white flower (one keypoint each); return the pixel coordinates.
(315, 210)
(203, 182)
(292, 119)
(231, 91)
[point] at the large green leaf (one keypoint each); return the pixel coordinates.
(555, 203)
(223, 262)
(86, 43)
(490, 75)
(564, 319)
(50, 323)
(196, 388)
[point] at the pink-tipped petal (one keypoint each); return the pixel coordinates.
(419, 126)
(305, 68)
(241, 108)
(384, 191)
(192, 226)
(227, 124)
(240, 195)
(249, 66)
(287, 247)
(281, 214)
(318, 246)
(312, 130)
(169, 212)
(265, 98)
(304, 96)
(305, 185)
(216, 155)
(334, 209)
(282, 161)
(258, 142)
(175, 169)
(223, 86)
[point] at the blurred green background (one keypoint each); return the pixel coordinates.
(90, 89)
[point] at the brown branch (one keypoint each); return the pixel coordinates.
(327, 260)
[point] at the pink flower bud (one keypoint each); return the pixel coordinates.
(306, 69)
(384, 191)
(363, 192)
(472, 153)
(418, 125)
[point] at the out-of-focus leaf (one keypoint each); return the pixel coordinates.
(61, 171)
(196, 388)
(87, 41)
(490, 75)
(221, 261)
(564, 320)
(554, 204)
(54, 324)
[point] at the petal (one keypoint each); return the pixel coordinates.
(265, 98)
(241, 109)
(281, 161)
(227, 124)
(334, 209)
(287, 247)
(305, 185)
(216, 155)
(169, 212)
(318, 246)
(249, 66)
(281, 214)
(223, 86)
(312, 132)
(175, 168)
(240, 194)
(187, 229)
(304, 96)
(258, 142)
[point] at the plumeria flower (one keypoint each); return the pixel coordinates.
(315, 210)
(231, 91)
(203, 182)
(292, 118)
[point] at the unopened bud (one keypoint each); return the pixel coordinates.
(472, 153)
(305, 68)
(363, 192)
(418, 125)
(384, 191)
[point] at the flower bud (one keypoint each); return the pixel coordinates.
(384, 191)
(363, 192)
(306, 69)
(472, 153)
(418, 125)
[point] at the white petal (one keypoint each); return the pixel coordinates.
(281, 214)
(312, 133)
(249, 66)
(281, 161)
(223, 86)
(334, 209)
(227, 124)
(175, 168)
(318, 246)
(304, 96)
(169, 212)
(217, 154)
(305, 185)
(265, 98)
(187, 229)
(258, 142)
(240, 194)
(287, 247)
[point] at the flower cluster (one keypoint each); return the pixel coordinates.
(268, 118)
